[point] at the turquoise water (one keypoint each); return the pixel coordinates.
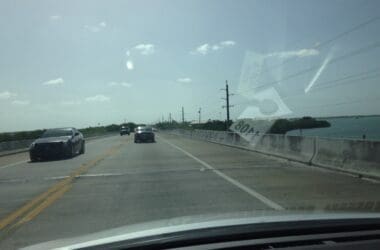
(346, 127)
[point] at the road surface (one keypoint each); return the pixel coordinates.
(117, 183)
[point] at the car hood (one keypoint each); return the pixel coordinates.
(53, 139)
(183, 224)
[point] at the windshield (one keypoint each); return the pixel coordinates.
(185, 108)
(144, 129)
(57, 133)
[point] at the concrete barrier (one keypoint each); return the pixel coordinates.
(356, 156)
(353, 156)
(12, 145)
(295, 148)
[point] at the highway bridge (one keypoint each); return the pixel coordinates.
(117, 183)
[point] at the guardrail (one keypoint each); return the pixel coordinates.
(359, 157)
(12, 145)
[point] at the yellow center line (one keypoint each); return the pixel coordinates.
(38, 204)
(37, 210)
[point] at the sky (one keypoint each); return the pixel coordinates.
(84, 63)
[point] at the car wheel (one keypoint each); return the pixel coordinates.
(70, 152)
(82, 148)
(32, 158)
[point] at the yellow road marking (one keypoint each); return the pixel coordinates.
(49, 200)
(35, 206)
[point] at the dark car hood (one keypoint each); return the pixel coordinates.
(53, 139)
(182, 224)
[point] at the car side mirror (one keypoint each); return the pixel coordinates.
(76, 134)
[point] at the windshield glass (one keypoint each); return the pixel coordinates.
(185, 108)
(57, 133)
(144, 129)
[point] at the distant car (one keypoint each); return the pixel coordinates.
(60, 142)
(144, 134)
(124, 131)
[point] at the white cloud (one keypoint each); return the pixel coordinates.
(215, 47)
(55, 17)
(130, 65)
(20, 102)
(184, 80)
(122, 84)
(295, 53)
(96, 28)
(57, 81)
(145, 49)
(70, 103)
(227, 43)
(206, 48)
(112, 84)
(6, 95)
(126, 84)
(203, 49)
(97, 98)
(91, 28)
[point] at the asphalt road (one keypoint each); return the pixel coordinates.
(117, 183)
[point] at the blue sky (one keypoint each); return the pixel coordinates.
(80, 63)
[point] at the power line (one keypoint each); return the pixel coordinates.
(322, 44)
(342, 81)
(335, 60)
(343, 103)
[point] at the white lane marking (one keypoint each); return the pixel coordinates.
(248, 190)
(100, 175)
(83, 175)
(56, 177)
(13, 164)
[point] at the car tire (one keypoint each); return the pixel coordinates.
(70, 152)
(82, 148)
(32, 158)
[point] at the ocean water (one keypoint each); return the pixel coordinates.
(346, 127)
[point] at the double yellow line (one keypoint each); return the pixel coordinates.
(38, 204)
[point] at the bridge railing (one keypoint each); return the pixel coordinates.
(359, 157)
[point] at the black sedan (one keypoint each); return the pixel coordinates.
(144, 134)
(60, 142)
(124, 130)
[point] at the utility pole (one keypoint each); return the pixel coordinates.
(228, 106)
(183, 115)
(199, 115)
(170, 117)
